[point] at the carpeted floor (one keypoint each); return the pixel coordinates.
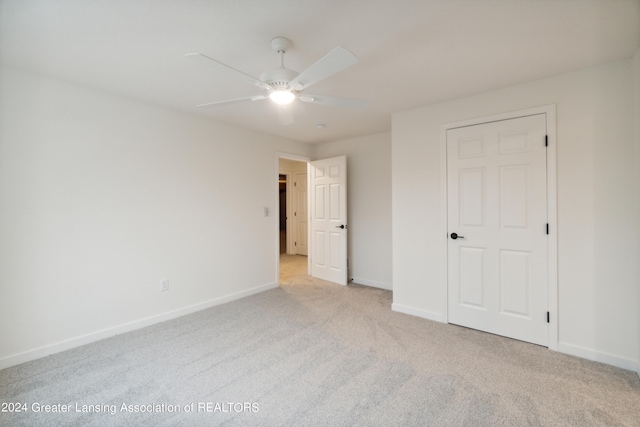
(293, 270)
(315, 353)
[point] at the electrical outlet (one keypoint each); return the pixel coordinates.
(164, 285)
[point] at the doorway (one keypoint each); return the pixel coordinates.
(316, 227)
(292, 220)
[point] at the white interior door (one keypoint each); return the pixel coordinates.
(497, 207)
(301, 214)
(328, 186)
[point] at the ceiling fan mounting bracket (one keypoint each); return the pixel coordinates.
(280, 44)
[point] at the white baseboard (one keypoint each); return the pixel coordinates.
(47, 350)
(596, 356)
(436, 317)
(372, 283)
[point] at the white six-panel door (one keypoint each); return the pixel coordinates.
(328, 186)
(497, 205)
(301, 214)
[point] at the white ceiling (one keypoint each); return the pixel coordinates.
(412, 52)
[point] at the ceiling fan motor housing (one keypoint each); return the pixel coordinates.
(278, 78)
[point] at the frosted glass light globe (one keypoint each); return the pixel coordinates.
(282, 97)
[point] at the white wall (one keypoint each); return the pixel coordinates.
(102, 197)
(368, 207)
(597, 214)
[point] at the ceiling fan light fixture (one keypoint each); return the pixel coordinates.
(282, 97)
(284, 86)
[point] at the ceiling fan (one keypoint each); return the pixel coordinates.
(283, 86)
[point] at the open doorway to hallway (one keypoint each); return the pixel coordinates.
(293, 218)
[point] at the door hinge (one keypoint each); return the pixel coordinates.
(548, 318)
(547, 228)
(295, 243)
(546, 140)
(295, 214)
(295, 184)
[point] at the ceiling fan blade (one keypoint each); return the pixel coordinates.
(355, 104)
(336, 60)
(238, 73)
(232, 101)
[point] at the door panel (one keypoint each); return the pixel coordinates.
(319, 249)
(319, 198)
(514, 283)
(496, 178)
(472, 280)
(471, 197)
(336, 254)
(328, 185)
(301, 214)
(514, 196)
(335, 202)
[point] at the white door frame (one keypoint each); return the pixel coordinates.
(552, 242)
(295, 157)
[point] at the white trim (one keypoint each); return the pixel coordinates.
(47, 350)
(552, 218)
(596, 356)
(552, 245)
(444, 219)
(547, 109)
(295, 157)
(429, 315)
(309, 247)
(372, 283)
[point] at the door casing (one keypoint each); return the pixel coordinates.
(552, 252)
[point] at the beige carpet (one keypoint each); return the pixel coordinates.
(314, 353)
